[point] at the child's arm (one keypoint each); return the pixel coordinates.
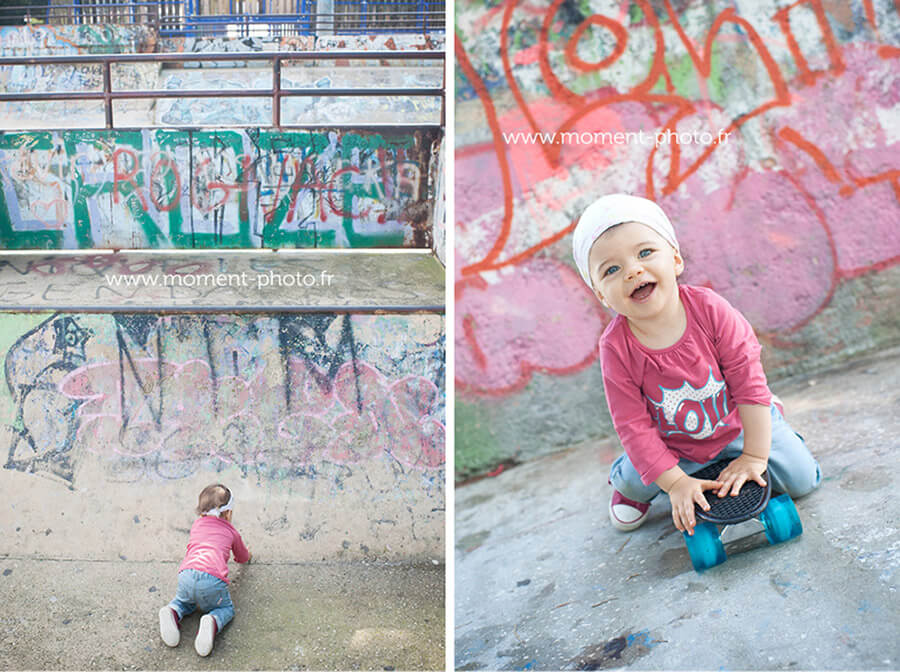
(739, 358)
(751, 464)
(241, 553)
(684, 491)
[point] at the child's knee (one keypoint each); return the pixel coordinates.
(633, 489)
(801, 485)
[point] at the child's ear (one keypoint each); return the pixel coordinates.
(679, 263)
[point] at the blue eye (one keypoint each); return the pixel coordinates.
(610, 270)
(646, 252)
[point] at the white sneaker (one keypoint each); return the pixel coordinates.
(168, 626)
(626, 514)
(205, 635)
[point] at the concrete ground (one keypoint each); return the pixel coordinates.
(544, 582)
(83, 615)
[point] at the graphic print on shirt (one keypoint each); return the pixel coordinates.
(694, 411)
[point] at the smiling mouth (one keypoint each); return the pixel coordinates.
(643, 290)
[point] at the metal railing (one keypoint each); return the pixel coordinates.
(276, 93)
(363, 16)
(174, 18)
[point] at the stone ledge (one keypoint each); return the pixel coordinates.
(305, 281)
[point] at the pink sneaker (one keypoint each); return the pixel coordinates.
(625, 514)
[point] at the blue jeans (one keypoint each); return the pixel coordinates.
(199, 590)
(792, 469)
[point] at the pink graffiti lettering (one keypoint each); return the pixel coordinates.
(179, 411)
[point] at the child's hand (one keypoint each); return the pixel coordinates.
(742, 469)
(684, 493)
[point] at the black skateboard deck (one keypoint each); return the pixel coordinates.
(747, 504)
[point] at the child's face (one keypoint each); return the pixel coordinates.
(634, 270)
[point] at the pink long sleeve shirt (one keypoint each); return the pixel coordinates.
(211, 543)
(681, 401)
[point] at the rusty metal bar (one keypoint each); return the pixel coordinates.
(107, 93)
(276, 93)
(214, 93)
(444, 97)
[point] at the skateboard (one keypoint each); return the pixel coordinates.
(733, 519)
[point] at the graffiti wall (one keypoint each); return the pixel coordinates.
(71, 39)
(339, 412)
(769, 133)
(215, 189)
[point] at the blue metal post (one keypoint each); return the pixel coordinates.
(190, 17)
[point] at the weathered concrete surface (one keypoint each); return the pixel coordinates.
(78, 614)
(242, 281)
(793, 219)
(117, 507)
(544, 582)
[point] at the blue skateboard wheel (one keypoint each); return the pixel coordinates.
(704, 546)
(781, 520)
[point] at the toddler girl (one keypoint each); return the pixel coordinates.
(203, 574)
(681, 372)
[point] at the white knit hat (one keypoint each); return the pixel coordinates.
(608, 211)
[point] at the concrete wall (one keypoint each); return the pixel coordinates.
(793, 217)
(215, 189)
(329, 428)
